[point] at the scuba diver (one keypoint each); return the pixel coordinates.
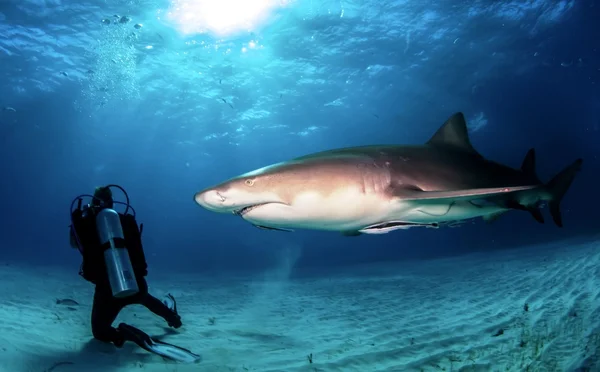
(113, 259)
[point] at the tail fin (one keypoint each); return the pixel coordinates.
(558, 186)
(528, 167)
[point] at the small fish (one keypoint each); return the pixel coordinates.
(67, 302)
(225, 101)
(63, 73)
(499, 333)
(8, 108)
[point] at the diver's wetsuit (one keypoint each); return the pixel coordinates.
(106, 307)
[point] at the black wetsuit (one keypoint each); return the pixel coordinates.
(106, 307)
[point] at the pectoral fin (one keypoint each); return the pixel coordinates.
(411, 194)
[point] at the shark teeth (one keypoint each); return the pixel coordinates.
(243, 211)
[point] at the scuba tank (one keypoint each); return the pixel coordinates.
(118, 265)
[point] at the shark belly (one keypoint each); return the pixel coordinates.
(343, 210)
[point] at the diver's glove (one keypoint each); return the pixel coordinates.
(176, 322)
(170, 302)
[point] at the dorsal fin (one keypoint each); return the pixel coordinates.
(528, 166)
(453, 134)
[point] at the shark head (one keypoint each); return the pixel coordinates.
(242, 194)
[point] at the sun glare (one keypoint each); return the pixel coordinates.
(221, 17)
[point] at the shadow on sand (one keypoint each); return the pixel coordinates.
(99, 356)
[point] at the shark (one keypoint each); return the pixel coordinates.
(376, 189)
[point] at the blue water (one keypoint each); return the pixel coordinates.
(170, 108)
(326, 75)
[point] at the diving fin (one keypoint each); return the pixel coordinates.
(153, 345)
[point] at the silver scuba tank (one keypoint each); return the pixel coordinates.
(118, 265)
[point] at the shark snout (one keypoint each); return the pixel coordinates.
(231, 199)
(211, 199)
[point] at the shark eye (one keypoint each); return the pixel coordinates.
(249, 182)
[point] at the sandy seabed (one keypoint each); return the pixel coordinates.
(527, 309)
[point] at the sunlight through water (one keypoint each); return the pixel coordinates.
(221, 17)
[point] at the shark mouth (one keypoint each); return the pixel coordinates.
(243, 211)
